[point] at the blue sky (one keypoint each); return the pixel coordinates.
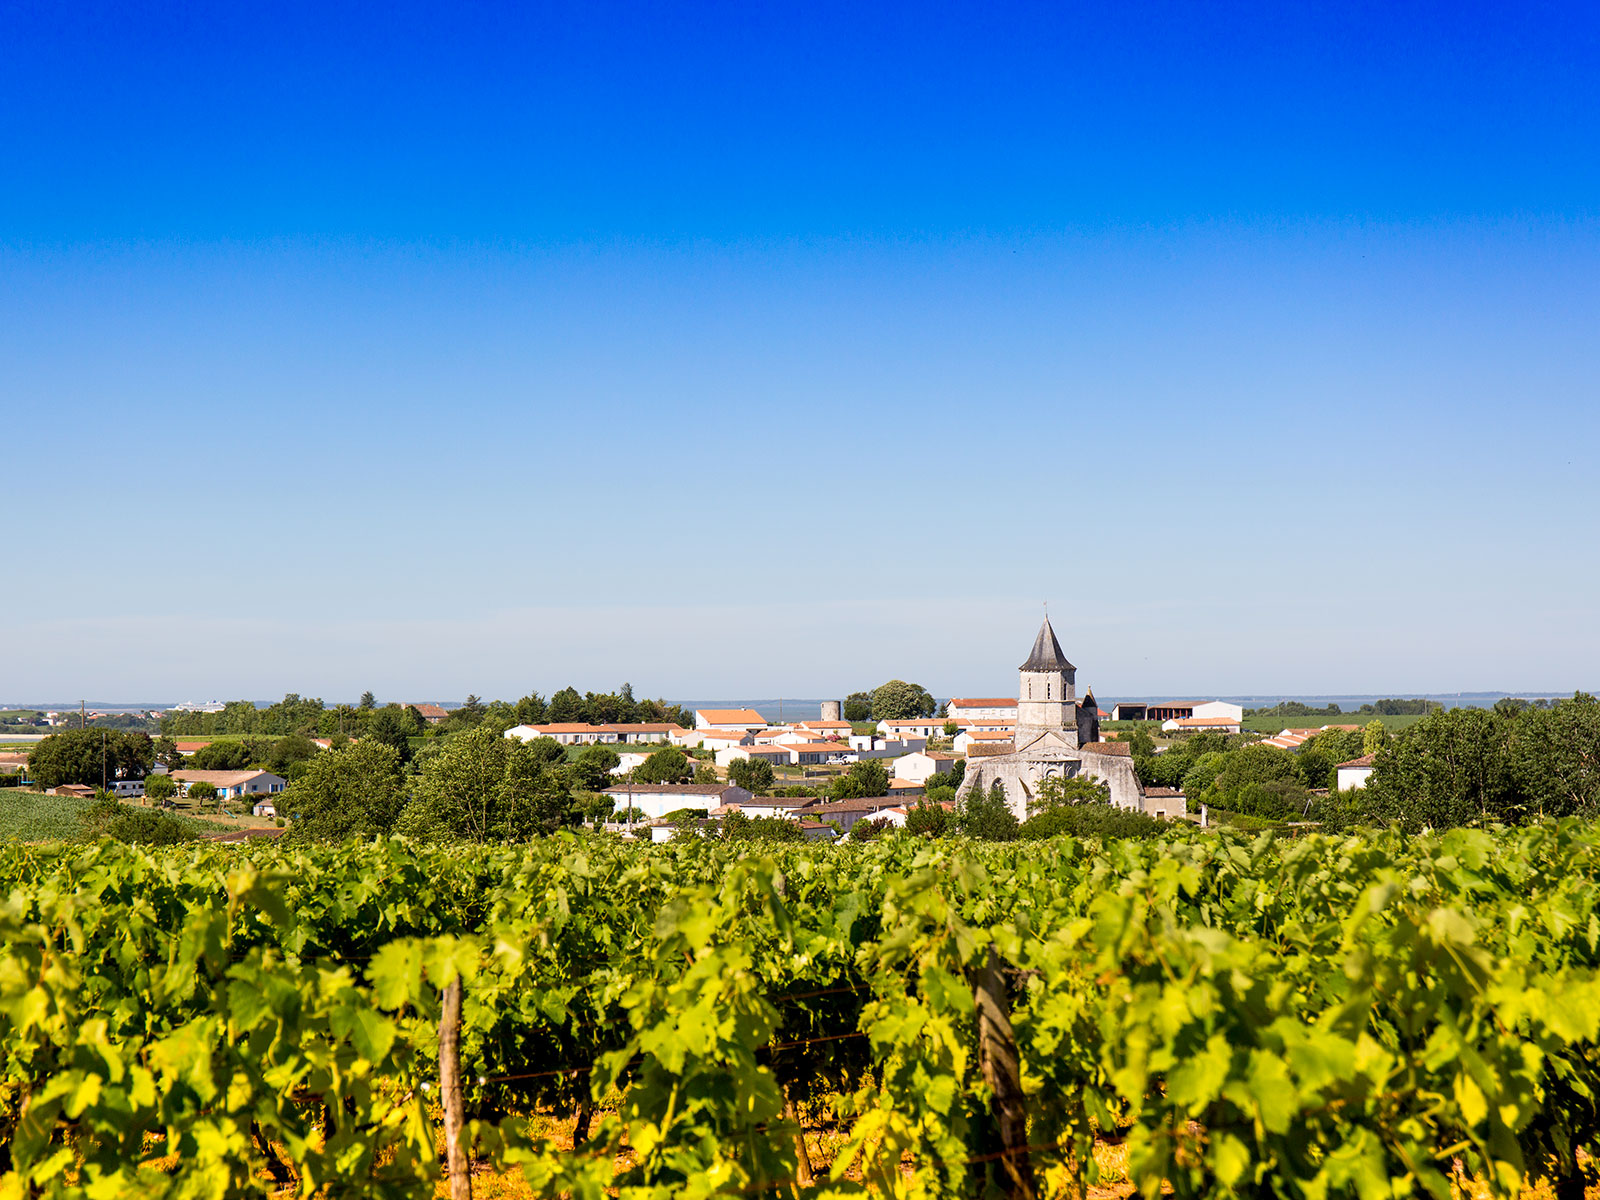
(758, 350)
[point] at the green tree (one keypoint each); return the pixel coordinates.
(368, 701)
(394, 726)
(167, 754)
(354, 790)
(706, 774)
(228, 756)
(530, 709)
(1072, 789)
(927, 820)
(566, 707)
(858, 706)
(1374, 737)
(1454, 767)
(1250, 764)
(86, 755)
(737, 827)
(201, 791)
(289, 752)
(870, 829)
(480, 786)
(667, 765)
(591, 769)
(1555, 758)
(951, 729)
(159, 789)
(898, 700)
(866, 778)
(987, 815)
(753, 774)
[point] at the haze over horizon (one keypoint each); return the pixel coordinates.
(729, 351)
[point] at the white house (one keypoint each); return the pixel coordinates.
(579, 733)
(232, 784)
(711, 739)
(265, 808)
(656, 800)
(776, 755)
(772, 806)
(869, 745)
(968, 738)
(1002, 708)
(745, 720)
(924, 727)
(827, 729)
(1355, 773)
(628, 760)
(1201, 725)
(1174, 710)
(922, 765)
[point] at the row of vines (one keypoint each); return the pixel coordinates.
(1364, 1016)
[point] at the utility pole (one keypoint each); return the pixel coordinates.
(83, 721)
(102, 760)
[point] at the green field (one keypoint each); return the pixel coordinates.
(1217, 1013)
(1273, 723)
(33, 817)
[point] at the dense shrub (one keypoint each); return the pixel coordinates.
(1093, 820)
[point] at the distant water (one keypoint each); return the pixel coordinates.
(811, 710)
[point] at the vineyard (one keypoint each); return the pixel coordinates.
(1365, 1016)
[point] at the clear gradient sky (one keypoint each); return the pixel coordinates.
(771, 349)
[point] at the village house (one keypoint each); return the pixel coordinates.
(870, 745)
(826, 729)
(579, 733)
(778, 756)
(231, 785)
(921, 766)
(965, 740)
(709, 739)
(787, 807)
(1174, 710)
(431, 713)
(1355, 773)
(1201, 725)
(1003, 708)
(655, 800)
(744, 720)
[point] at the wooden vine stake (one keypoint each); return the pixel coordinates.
(450, 1091)
(1002, 1071)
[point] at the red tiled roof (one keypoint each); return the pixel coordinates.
(1364, 761)
(730, 716)
(985, 702)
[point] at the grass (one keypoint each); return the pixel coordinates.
(1273, 723)
(33, 817)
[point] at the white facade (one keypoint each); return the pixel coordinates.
(1354, 774)
(921, 766)
(745, 720)
(993, 708)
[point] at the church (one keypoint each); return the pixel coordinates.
(1057, 737)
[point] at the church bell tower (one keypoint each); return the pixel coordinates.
(1047, 691)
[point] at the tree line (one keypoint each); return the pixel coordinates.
(310, 716)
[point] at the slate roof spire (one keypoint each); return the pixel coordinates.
(1046, 654)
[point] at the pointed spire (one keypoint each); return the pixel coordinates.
(1046, 654)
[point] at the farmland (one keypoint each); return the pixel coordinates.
(1338, 1015)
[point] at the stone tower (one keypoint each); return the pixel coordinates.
(1047, 691)
(832, 710)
